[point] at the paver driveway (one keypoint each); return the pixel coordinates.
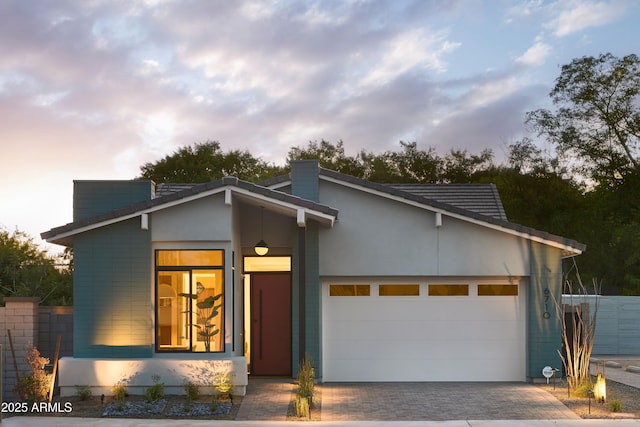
(267, 399)
(439, 402)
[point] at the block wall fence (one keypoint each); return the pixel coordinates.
(30, 323)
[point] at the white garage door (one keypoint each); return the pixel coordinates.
(423, 331)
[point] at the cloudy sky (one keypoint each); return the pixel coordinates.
(94, 89)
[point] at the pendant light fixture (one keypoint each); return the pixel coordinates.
(261, 247)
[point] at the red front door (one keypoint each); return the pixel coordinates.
(271, 323)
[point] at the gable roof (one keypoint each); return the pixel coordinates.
(479, 198)
(568, 246)
(182, 193)
(481, 206)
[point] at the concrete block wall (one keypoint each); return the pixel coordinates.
(29, 323)
(20, 317)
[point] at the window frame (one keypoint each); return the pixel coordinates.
(495, 286)
(386, 289)
(442, 286)
(192, 340)
(357, 287)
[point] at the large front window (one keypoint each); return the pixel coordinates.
(190, 300)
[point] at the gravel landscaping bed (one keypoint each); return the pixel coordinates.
(627, 396)
(136, 407)
(198, 409)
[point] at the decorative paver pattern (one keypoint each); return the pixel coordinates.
(268, 399)
(439, 402)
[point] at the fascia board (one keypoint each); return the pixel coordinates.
(293, 208)
(571, 251)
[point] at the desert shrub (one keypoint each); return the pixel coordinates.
(223, 385)
(302, 406)
(83, 392)
(191, 390)
(582, 389)
(156, 391)
(119, 391)
(34, 387)
(306, 378)
(306, 383)
(615, 406)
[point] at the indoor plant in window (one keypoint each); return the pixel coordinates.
(206, 313)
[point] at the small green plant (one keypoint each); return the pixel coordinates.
(34, 387)
(223, 385)
(214, 403)
(616, 406)
(83, 392)
(156, 391)
(582, 390)
(119, 391)
(192, 392)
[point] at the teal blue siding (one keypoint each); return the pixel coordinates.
(91, 198)
(304, 179)
(304, 183)
(313, 299)
(545, 288)
(112, 292)
(313, 302)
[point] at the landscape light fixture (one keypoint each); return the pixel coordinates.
(261, 247)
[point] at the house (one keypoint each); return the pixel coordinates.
(375, 282)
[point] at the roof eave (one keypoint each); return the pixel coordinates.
(321, 213)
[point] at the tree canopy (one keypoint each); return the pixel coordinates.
(26, 271)
(205, 162)
(595, 128)
(596, 122)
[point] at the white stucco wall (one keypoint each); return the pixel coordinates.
(378, 236)
(202, 219)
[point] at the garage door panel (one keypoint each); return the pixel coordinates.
(445, 369)
(389, 349)
(424, 338)
(424, 330)
(429, 331)
(424, 308)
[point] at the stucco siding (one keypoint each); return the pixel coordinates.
(470, 249)
(399, 239)
(202, 219)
